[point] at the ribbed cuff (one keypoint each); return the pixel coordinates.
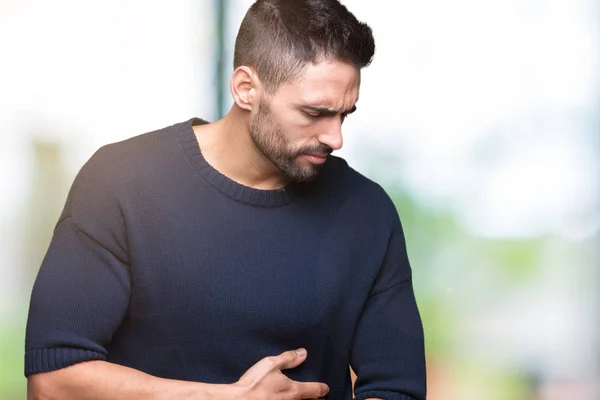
(380, 394)
(46, 360)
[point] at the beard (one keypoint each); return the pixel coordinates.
(269, 139)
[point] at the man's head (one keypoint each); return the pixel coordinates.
(297, 71)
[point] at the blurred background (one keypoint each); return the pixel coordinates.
(481, 118)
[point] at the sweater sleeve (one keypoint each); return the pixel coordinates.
(81, 292)
(388, 354)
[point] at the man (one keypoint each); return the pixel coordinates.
(236, 259)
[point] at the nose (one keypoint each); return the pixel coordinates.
(332, 136)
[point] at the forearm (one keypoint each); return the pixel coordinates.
(99, 380)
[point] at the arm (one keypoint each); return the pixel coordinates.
(388, 350)
(353, 377)
(98, 380)
(79, 299)
(81, 295)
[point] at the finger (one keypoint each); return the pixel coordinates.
(285, 360)
(290, 359)
(312, 390)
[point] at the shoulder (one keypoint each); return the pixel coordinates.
(118, 162)
(357, 184)
(114, 171)
(356, 189)
(137, 152)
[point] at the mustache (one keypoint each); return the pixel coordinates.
(321, 149)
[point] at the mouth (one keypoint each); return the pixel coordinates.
(316, 158)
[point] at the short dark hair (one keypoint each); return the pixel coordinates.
(278, 38)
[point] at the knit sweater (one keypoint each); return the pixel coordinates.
(161, 263)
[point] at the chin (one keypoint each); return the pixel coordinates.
(306, 179)
(308, 174)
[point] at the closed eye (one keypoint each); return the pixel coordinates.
(317, 112)
(313, 115)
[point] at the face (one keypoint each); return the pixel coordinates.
(300, 125)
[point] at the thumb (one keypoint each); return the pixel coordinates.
(290, 359)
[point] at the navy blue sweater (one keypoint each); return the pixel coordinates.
(160, 263)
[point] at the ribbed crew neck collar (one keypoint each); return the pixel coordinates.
(225, 185)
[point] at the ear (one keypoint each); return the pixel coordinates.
(244, 86)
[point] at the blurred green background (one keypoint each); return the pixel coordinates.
(480, 118)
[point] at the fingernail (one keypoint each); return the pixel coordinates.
(301, 352)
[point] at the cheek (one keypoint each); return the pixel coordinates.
(293, 128)
(301, 133)
(294, 119)
(300, 126)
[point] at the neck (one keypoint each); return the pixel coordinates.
(227, 146)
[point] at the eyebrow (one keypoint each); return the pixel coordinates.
(326, 111)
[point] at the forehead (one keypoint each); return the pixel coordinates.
(327, 83)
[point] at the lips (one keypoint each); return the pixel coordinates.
(316, 158)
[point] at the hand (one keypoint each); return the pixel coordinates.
(265, 381)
